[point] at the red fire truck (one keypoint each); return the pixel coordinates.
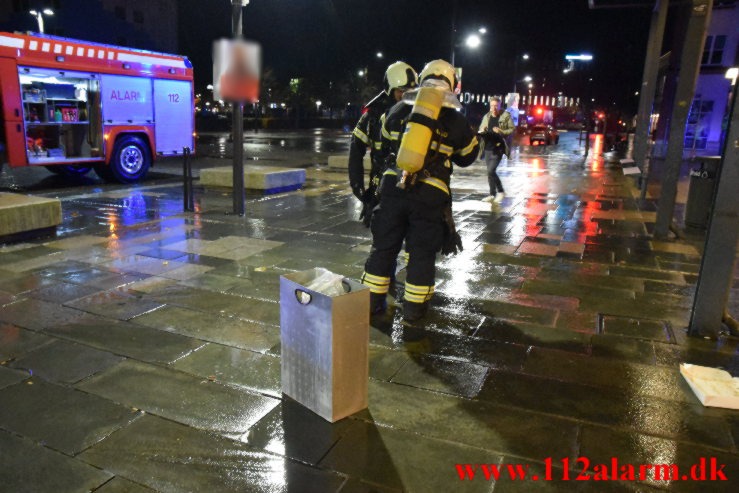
(73, 105)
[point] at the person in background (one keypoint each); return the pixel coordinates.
(495, 127)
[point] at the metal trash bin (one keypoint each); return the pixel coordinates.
(325, 345)
(700, 194)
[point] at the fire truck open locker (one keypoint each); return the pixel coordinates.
(72, 105)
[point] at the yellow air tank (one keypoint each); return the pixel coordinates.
(420, 129)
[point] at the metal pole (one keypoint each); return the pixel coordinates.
(238, 126)
(700, 16)
(186, 180)
(454, 31)
(717, 264)
(647, 91)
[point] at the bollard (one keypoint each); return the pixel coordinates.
(189, 205)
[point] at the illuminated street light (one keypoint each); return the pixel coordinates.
(527, 78)
(39, 15)
(583, 57)
(732, 74)
(473, 41)
(379, 54)
(525, 56)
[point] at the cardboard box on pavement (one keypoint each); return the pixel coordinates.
(325, 340)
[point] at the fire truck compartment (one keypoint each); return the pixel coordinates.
(56, 113)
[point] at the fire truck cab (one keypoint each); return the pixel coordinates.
(71, 106)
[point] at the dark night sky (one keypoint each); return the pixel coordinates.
(331, 37)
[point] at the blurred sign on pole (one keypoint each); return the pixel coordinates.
(236, 70)
(458, 71)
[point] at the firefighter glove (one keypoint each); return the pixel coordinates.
(452, 241)
(358, 190)
(369, 202)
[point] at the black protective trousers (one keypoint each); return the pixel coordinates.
(415, 216)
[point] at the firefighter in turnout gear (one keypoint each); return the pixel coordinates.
(419, 210)
(398, 78)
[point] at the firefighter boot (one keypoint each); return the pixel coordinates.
(378, 303)
(414, 311)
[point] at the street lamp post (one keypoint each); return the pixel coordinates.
(571, 59)
(39, 15)
(523, 57)
(239, 195)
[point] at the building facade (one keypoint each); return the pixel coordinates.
(707, 121)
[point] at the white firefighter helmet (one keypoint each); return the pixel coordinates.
(399, 75)
(441, 70)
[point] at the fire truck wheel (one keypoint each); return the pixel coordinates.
(68, 170)
(131, 160)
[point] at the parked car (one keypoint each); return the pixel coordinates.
(543, 135)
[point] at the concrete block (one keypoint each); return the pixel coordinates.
(24, 213)
(342, 161)
(267, 178)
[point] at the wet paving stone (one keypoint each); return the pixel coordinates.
(600, 444)
(163, 253)
(219, 303)
(354, 485)
(61, 418)
(20, 470)
(395, 458)
(115, 304)
(221, 329)
(233, 366)
(170, 457)
(100, 278)
(384, 363)
(64, 362)
(650, 286)
(655, 275)
(137, 264)
(19, 284)
(654, 381)
(38, 314)
(590, 277)
(623, 348)
(120, 485)
(15, 341)
(9, 376)
(442, 375)
(293, 431)
(61, 292)
(610, 407)
(717, 354)
(655, 330)
(519, 313)
(479, 424)
(180, 397)
(7, 298)
(572, 290)
(127, 339)
(534, 335)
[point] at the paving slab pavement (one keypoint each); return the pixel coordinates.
(139, 348)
